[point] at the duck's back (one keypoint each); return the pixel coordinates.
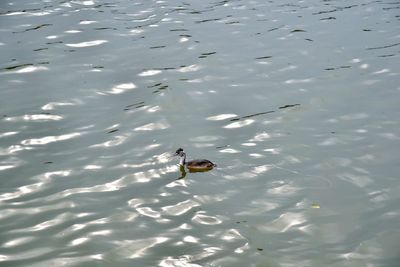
(200, 164)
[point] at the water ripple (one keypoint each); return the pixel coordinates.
(221, 117)
(180, 208)
(97, 95)
(87, 44)
(53, 105)
(49, 139)
(239, 124)
(130, 249)
(122, 88)
(35, 117)
(149, 73)
(206, 219)
(161, 125)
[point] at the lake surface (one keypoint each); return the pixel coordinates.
(297, 102)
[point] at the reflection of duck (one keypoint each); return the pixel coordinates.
(197, 165)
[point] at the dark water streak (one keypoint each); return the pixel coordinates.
(95, 96)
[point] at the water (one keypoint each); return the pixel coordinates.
(296, 101)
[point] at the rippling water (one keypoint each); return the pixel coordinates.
(296, 101)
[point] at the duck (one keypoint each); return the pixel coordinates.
(196, 165)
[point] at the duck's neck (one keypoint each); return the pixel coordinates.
(182, 160)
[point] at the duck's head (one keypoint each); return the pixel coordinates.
(182, 155)
(179, 152)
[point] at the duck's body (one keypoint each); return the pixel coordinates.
(196, 165)
(200, 165)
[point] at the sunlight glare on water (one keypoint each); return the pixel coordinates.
(295, 101)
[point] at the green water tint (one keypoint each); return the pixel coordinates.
(296, 102)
